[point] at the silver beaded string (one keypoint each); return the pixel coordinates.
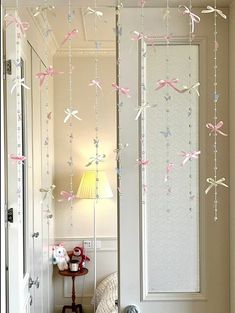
(143, 113)
(19, 117)
(47, 113)
(167, 111)
(120, 146)
(190, 196)
(71, 135)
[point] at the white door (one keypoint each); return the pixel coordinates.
(173, 257)
(19, 176)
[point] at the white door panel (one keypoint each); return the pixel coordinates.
(213, 240)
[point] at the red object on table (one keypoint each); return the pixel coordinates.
(73, 306)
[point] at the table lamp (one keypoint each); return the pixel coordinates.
(94, 185)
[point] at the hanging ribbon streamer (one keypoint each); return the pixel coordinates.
(71, 114)
(48, 192)
(188, 156)
(123, 90)
(50, 72)
(215, 127)
(22, 27)
(18, 83)
(17, 158)
(70, 35)
(194, 18)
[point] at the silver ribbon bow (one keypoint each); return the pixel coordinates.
(210, 9)
(99, 14)
(215, 183)
(17, 83)
(43, 8)
(141, 108)
(71, 113)
(48, 191)
(119, 150)
(96, 159)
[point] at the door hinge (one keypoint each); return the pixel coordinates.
(7, 68)
(10, 215)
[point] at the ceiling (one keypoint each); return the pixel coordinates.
(112, 3)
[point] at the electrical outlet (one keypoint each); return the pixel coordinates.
(89, 244)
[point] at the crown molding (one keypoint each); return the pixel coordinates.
(86, 52)
(40, 21)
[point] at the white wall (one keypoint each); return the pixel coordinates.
(232, 152)
(81, 217)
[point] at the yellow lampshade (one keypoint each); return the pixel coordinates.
(87, 187)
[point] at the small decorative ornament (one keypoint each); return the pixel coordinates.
(67, 196)
(69, 36)
(42, 8)
(168, 83)
(97, 13)
(18, 82)
(71, 113)
(22, 26)
(188, 156)
(96, 160)
(215, 127)
(50, 72)
(194, 18)
(142, 162)
(123, 90)
(17, 158)
(48, 192)
(96, 83)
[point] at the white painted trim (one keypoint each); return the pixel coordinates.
(3, 175)
(86, 52)
(182, 296)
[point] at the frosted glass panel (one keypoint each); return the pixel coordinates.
(171, 207)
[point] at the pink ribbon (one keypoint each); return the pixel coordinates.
(188, 156)
(122, 90)
(142, 3)
(194, 18)
(50, 72)
(69, 36)
(17, 158)
(169, 168)
(171, 83)
(67, 196)
(23, 26)
(216, 128)
(142, 162)
(96, 83)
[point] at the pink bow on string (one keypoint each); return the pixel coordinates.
(216, 128)
(69, 36)
(210, 9)
(194, 18)
(142, 162)
(17, 158)
(142, 3)
(171, 83)
(50, 72)
(188, 156)
(96, 83)
(67, 196)
(169, 169)
(122, 90)
(22, 26)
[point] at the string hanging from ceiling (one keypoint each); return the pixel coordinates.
(215, 126)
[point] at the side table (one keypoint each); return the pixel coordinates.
(77, 308)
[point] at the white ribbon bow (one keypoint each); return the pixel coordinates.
(215, 183)
(42, 8)
(194, 86)
(141, 108)
(99, 14)
(71, 114)
(211, 10)
(48, 191)
(96, 159)
(18, 83)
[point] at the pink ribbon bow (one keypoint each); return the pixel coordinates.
(22, 26)
(194, 18)
(96, 83)
(124, 91)
(171, 83)
(142, 3)
(216, 128)
(69, 36)
(50, 72)
(67, 196)
(169, 168)
(17, 158)
(142, 162)
(188, 156)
